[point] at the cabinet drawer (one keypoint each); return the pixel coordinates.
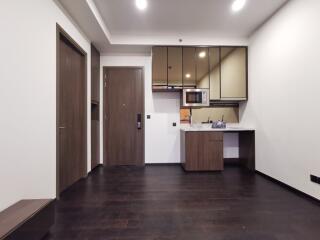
(212, 136)
(207, 136)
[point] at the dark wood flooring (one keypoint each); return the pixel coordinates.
(166, 203)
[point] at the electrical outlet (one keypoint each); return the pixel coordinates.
(148, 116)
(174, 124)
(315, 179)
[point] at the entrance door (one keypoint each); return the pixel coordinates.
(72, 125)
(123, 116)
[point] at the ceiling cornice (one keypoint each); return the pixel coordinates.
(92, 6)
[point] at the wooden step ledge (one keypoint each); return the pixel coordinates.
(27, 219)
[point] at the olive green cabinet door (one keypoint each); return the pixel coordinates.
(233, 73)
(175, 67)
(159, 67)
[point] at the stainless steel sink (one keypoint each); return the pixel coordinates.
(219, 125)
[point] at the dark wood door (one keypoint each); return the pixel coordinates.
(72, 138)
(123, 116)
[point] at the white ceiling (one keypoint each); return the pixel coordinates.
(118, 27)
(185, 17)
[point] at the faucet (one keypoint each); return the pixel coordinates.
(190, 119)
(208, 121)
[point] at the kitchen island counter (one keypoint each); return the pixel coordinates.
(202, 147)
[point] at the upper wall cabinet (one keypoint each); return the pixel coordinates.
(189, 67)
(196, 67)
(159, 67)
(223, 70)
(214, 62)
(202, 68)
(175, 67)
(233, 73)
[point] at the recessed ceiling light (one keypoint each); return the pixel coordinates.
(141, 4)
(238, 5)
(202, 54)
(188, 75)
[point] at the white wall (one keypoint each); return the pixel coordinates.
(231, 145)
(28, 98)
(162, 140)
(284, 84)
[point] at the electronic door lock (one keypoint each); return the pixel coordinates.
(139, 121)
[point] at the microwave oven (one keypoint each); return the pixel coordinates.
(196, 98)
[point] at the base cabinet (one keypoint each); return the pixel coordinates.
(202, 151)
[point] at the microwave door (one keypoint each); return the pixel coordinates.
(194, 97)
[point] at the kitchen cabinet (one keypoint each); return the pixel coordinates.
(174, 67)
(202, 151)
(223, 70)
(214, 66)
(159, 67)
(195, 67)
(189, 67)
(233, 61)
(202, 67)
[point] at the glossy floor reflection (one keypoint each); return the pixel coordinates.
(166, 203)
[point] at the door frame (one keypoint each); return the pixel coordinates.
(104, 132)
(61, 32)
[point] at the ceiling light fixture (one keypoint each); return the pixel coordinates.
(238, 5)
(188, 75)
(141, 4)
(202, 54)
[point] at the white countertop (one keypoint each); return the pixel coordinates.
(207, 128)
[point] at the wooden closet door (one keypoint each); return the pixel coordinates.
(72, 114)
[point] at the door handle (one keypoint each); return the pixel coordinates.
(139, 121)
(62, 127)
